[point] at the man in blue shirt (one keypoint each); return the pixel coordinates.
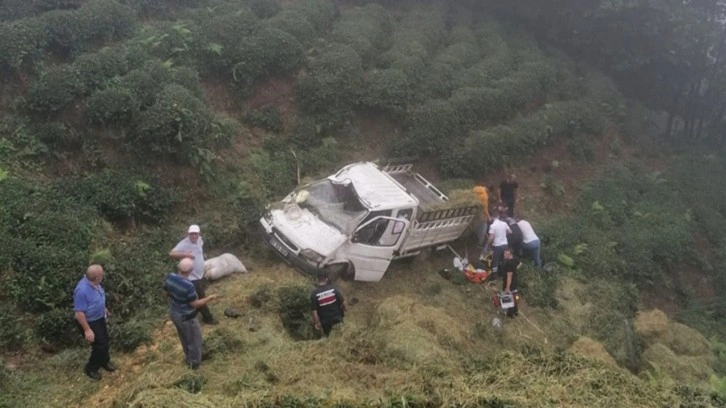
(192, 247)
(89, 303)
(183, 305)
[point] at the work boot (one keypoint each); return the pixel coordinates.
(110, 367)
(94, 375)
(211, 321)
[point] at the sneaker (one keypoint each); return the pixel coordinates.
(94, 375)
(194, 366)
(211, 322)
(110, 367)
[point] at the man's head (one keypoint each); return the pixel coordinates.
(323, 279)
(512, 178)
(193, 232)
(94, 273)
(508, 254)
(185, 266)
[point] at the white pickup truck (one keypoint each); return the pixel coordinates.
(358, 220)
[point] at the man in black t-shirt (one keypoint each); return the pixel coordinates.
(510, 271)
(508, 193)
(328, 305)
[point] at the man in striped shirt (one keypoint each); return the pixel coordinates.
(183, 305)
(328, 305)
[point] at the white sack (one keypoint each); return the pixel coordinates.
(221, 266)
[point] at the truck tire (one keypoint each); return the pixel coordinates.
(339, 271)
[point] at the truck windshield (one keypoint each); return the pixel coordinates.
(336, 204)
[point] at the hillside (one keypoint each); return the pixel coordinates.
(123, 121)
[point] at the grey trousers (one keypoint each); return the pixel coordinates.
(190, 335)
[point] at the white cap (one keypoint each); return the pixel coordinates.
(194, 228)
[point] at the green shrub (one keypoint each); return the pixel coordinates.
(137, 267)
(319, 13)
(262, 297)
(366, 29)
(13, 335)
(432, 126)
(177, 41)
(54, 90)
(123, 196)
(127, 336)
(46, 5)
(58, 327)
(264, 8)
(333, 83)
(221, 31)
(274, 172)
(111, 106)
(267, 117)
(21, 43)
(16, 9)
(267, 51)
(295, 311)
(175, 123)
(322, 159)
(292, 23)
(146, 82)
(222, 341)
(388, 90)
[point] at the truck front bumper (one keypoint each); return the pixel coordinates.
(284, 251)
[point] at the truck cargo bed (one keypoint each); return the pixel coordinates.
(415, 184)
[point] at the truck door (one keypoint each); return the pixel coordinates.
(373, 244)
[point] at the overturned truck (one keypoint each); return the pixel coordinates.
(355, 222)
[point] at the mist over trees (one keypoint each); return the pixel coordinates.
(671, 54)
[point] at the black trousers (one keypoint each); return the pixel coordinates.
(328, 326)
(200, 285)
(100, 347)
(509, 202)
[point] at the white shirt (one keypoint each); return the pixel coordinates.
(197, 249)
(528, 234)
(499, 230)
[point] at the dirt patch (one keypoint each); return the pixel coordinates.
(278, 91)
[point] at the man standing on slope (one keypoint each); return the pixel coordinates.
(328, 305)
(89, 303)
(483, 195)
(183, 306)
(530, 243)
(497, 241)
(192, 247)
(508, 193)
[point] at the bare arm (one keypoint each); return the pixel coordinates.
(87, 332)
(509, 282)
(316, 320)
(180, 255)
(202, 302)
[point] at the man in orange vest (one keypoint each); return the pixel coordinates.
(483, 195)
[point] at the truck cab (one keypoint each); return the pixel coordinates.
(355, 222)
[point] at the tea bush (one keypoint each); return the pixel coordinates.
(114, 106)
(54, 90)
(264, 8)
(21, 43)
(295, 311)
(367, 30)
(124, 196)
(388, 90)
(292, 23)
(176, 122)
(13, 335)
(333, 83)
(58, 326)
(267, 117)
(130, 334)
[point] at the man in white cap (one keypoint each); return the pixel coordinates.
(192, 247)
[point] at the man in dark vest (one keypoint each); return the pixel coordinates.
(508, 193)
(328, 305)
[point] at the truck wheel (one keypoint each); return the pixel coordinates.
(338, 271)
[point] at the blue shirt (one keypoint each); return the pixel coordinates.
(181, 294)
(196, 249)
(90, 300)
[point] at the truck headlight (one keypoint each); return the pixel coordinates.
(312, 256)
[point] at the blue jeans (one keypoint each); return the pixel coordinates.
(532, 250)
